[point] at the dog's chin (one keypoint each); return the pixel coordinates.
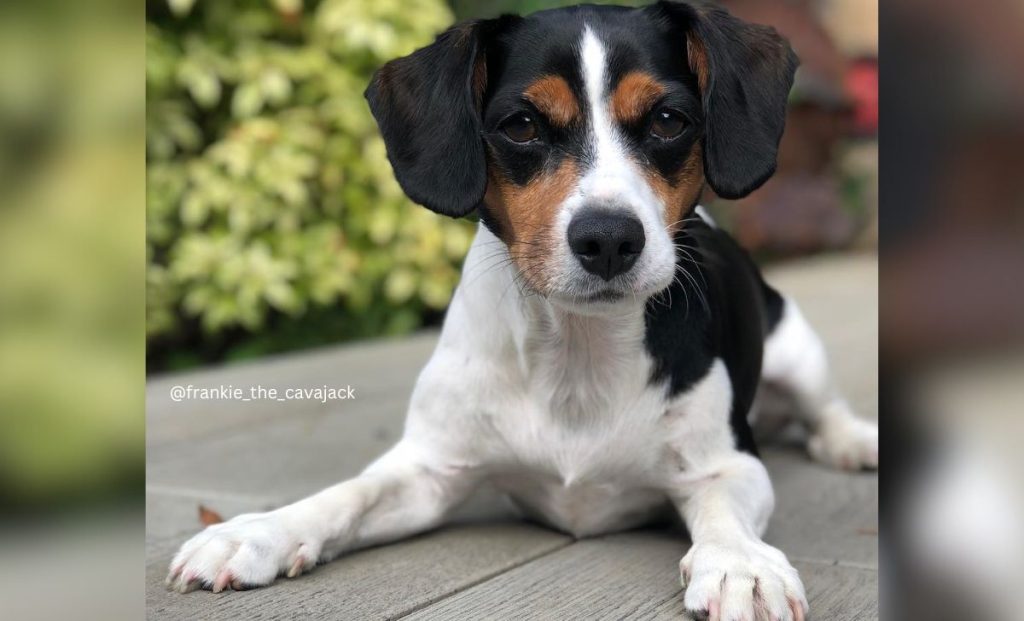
(604, 299)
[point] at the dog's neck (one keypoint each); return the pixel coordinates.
(582, 365)
(579, 362)
(585, 337)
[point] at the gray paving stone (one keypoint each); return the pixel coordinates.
(835, 593)
(613, 577)
(379, 370)
(822, 514)
(283, 458)
(175, 511)
(840, 593)
(633, 576)
(380, 583)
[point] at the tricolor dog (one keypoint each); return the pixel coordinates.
(602, 354)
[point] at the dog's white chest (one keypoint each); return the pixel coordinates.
(589, 458)
(585, 479)
(585, 444)
(562, 410)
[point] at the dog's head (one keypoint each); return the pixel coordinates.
(584, 135)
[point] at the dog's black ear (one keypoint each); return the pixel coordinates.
(427, 105)
(744, 72)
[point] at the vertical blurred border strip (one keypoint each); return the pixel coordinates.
(72, 197)
(952, 308)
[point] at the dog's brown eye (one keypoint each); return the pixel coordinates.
(667, 123)
(520, 127)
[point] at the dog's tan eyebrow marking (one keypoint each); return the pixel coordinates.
(634, 96)
(555, 100)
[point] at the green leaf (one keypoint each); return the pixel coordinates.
(247, 100)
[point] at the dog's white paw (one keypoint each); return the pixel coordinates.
(741, 581)
(247, 551)
(846, 442)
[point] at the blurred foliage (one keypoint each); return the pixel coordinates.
(273, 217)
(71, 256)
(467, 9)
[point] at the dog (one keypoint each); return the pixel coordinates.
(603, 351)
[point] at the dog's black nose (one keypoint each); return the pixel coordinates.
(606, 243)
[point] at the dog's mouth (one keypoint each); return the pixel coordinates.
(604, 295)
(594, 299)
(598, 296)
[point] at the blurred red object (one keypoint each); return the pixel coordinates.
(862, 86)
(801, 209)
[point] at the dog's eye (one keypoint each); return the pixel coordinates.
(519, 127)
(667, 123)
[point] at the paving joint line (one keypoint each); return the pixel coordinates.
(485, 578)
(835, 563)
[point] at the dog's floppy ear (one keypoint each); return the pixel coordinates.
(744, 72)
(427, 105)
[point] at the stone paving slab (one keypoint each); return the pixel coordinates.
(381, 583)
(632, 576)
(236, 457)
(377, 370)
(822, 515)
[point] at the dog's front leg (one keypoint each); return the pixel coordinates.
(729, 573)
(404, 492)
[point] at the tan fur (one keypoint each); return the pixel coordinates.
(479, 81)
(698, 61)
(555, 100)
(633, 98)
(678, 194)
(526, 216)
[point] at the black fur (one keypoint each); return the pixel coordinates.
(716, 309)
(428, 113)
(439, 131)
(751, 70)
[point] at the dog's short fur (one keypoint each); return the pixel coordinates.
(593, 396)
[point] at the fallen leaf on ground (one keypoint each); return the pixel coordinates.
(209, 516)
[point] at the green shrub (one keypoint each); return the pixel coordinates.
(273, 217)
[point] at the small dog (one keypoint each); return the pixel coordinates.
(603, 351)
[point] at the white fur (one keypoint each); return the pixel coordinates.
(555, 407)
(705, 216)
(795, 359)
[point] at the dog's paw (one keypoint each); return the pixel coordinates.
(741, 581)
(846, 442)
(248, 551)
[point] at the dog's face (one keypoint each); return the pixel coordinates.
(584, 136)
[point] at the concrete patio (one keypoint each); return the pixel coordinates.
(234, 456)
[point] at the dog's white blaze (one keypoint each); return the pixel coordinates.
(614, 179)
(608, 148)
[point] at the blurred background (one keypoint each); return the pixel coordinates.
(72, 306)
(274, 222)
(952, 309)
